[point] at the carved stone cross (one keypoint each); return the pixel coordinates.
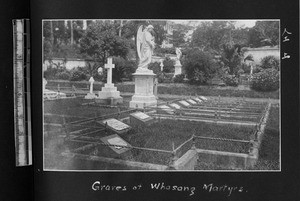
(109, 67)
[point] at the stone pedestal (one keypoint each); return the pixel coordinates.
(178, 68)
(90, 96)
(143, 95)
(109, 95)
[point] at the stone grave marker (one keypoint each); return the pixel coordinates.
(192, 101)
(116, 140)
(140, 118)
(91, 94)
(116, 125)
(184, 103)
(166, 108)
(176, 106)
(197, 99)
(109, 93)
(203, 98)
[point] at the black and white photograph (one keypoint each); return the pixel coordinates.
(161, 95)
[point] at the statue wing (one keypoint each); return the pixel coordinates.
(139, 40)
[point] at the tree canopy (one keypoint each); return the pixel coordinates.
(101, 40)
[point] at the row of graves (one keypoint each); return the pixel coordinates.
(195, 133)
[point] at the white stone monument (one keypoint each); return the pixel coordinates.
(143, 77)
(161, 66)
(91, 94)
(109, 92)
(48, 94)
(178, 66)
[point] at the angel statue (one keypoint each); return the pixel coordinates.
(178, 53)
(145, 45)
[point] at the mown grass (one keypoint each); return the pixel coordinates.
(162, 135)
(175, 89)
(269, 151)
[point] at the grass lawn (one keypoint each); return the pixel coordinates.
(269, 150)
(175, 89)
(160, 135)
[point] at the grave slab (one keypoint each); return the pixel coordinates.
(166, 108)
(184, 103)
(140, 118)
(203, 98)
(192, 101)
(116, 140)
(197, 99)
(174, 105)
(115, 125)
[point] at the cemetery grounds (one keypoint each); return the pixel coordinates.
(226, 134)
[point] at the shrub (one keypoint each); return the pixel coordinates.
(230, 80)
(199, 66)
(123, 69)
(162, 51)
(78, 74)
(179, 78)
(168, 65)
(257, 69)
(270, 62)
(246, 68)
(50, 73)
(266, 80)
(155, 67)
(64, 75)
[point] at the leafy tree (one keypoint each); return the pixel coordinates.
(199, 66)
(101, 40)
(168, 65)
(232, 56)
(264, 33)
(270, 62)
(179, 33)
(211, 35)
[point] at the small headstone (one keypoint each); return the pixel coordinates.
(138, 118)
(192, 101)
(166, 109)
(91, 94)
(118, 142)
(175, 105)
(161, 66)
(203, 98)
(116, 125)
(198, 99)
(184, 103)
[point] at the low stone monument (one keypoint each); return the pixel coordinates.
(143, 77)
(109, 93)
(161, 66)
(178, 66)
(48, 94)
(91, 94)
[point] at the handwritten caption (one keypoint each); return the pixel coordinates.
(225, 189)
(286, 38)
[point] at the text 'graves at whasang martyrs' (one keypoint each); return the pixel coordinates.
(140, 118)
(118, 145)
(115, 125)
(184, 103)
